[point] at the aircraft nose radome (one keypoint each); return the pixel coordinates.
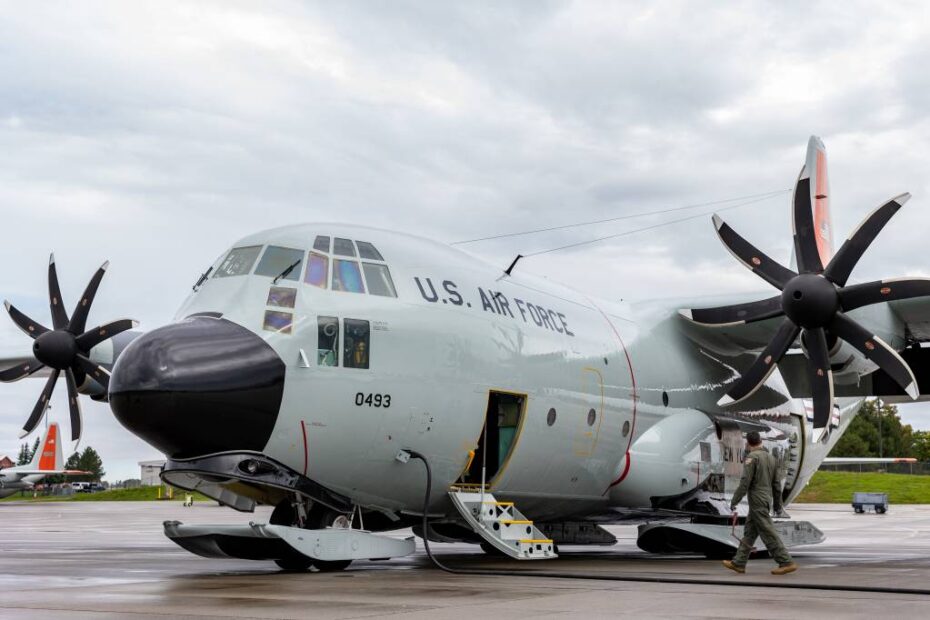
(198, 386)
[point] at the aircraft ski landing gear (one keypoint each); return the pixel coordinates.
(317, 518)
(322, 538)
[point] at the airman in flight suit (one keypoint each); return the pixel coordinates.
(761, 483)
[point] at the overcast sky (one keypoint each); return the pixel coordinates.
(156, 134)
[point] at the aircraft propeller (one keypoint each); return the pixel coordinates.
(65, 347)
(814, 302)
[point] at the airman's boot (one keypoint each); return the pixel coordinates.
(784, 569)
(734, 567)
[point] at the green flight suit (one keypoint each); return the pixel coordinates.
(761, 482)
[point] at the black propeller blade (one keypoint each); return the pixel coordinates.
(79, 318)
(735, 314)
(820, 375)
(21, 371)
(41, 405)
(802, 222)
(813, 302)
(752, 379)
(59, 316)
(74, 406)
(756, 261)
(65, 348)
(842, 263)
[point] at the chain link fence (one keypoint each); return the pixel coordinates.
(921, 469)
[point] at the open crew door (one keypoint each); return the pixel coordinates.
(502, 424)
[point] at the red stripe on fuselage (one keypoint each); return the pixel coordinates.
(303, 430)
(629, 363)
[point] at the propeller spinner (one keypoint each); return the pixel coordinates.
(814, 301)
(64, 348)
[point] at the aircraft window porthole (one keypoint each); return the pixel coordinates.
(665, 398)
(279, 322)
(626, 428)
(378, 278)
(550, 417)
(282, 297)
(343, 247)
(605, 361)
(367, 250)
(592, 416)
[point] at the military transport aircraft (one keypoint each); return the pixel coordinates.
(311, 362)
(47, 461)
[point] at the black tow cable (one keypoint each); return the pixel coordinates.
(630, 578)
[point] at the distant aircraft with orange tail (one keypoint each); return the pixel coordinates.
(45, 462)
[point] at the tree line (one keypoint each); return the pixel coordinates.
(877, 431)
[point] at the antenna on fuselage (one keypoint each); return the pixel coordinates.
(513, 264)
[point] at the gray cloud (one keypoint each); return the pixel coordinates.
(154, 134)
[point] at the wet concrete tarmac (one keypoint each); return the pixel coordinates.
(111, 560)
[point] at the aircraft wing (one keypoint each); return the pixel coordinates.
(13, 476)
(915, 316)
(20, 473)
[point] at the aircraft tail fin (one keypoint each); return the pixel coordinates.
(49, 455)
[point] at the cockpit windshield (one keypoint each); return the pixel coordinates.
(335, 263)
(238, 262)
(277, 260)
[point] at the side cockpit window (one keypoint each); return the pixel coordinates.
(238, 262)
(357, 340)
(280, 262)
(327, 347)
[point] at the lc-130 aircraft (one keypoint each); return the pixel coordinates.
(47, 461)
(311, 362)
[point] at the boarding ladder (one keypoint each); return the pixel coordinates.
(501, 524)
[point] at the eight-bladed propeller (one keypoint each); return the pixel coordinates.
(814, 302)
(65, 347)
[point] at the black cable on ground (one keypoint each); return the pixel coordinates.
(631, 578)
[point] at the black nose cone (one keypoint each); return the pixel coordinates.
(199, 386)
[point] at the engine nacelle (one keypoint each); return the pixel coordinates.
(667, 459)
(691, 462)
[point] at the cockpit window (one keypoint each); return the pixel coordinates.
(347, 276)
(321, 243)
(327, 347)
(378, 278)
(367, 250)
(317, 270)
(343, 247)
(238, 262)
(355, 353)
(276, 260)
